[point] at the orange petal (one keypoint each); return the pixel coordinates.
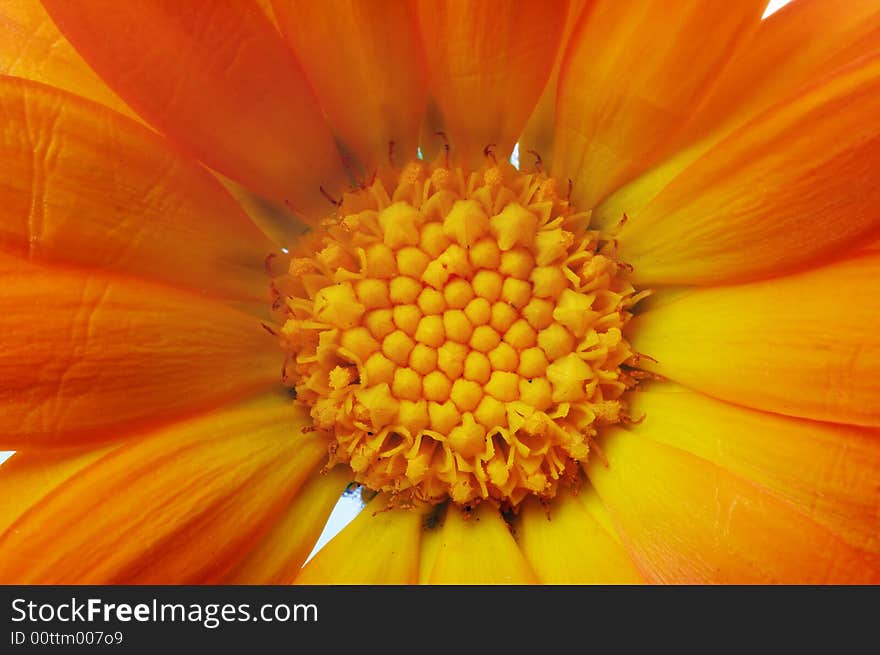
(277, 559)
(537, 137)
(365, 62)
(266, 7)
(828, 471)
(796, 46)
(489, 60)
(479, 549)
(84, 186)
(565, 545)
(381, 546)
(788, 187)
(277, 222)
(631, 76)
(218, 79)
(804, 345)
(179, 506)
(687, 520)
(91, 358)
(32, 47)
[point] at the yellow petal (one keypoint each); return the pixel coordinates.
(31, 476)
(218, 79)
(686, 520)
(83, 186)
(277, 559)
(788, 187)
(90, 357)
(381, 546)
(599, 513)
(828, 471)
(432, 538)
(632, 74)
(365, 62)
(804, 345)
(479, 549)
(489, 60)
(565, 545)
(181, 505)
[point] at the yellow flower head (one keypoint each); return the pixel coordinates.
(255, 252)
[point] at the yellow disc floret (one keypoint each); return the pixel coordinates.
(459, 338)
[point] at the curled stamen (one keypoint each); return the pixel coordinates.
(367, 184)
(545, 505)
(639, 375)
(594, 445)
(275, 295)
(637, 357)
(489, 152)
(284, 376)
(446, 145)
(539, 163)
(333, 201)
(626, 419)
(349, 165)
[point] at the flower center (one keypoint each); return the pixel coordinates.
(459, 337)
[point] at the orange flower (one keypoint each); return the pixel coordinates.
(651, 354)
